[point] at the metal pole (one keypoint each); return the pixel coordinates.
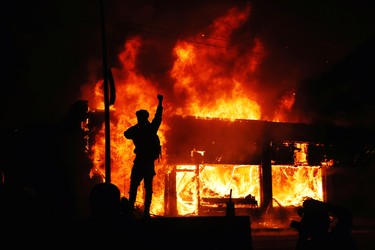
(106, 97)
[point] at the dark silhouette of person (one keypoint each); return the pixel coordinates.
(324, 226)
(104, 202)
(107, 219)
(145, 139)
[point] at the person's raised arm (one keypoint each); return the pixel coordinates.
(159, 112)
(160, 98)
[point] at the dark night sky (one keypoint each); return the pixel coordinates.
(51, 48)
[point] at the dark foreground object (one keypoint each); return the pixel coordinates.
(196, 232)
(167, 233)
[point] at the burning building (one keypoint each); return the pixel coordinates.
(223, 136)
(259, 165)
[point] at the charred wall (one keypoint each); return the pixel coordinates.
(241, 141)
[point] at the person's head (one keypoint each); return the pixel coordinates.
(105, 200)
(315, 219)
(142, 115)
(316, 223)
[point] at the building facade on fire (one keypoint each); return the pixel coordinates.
(265, 164)
(259, 163)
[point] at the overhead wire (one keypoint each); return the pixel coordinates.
(160, 32)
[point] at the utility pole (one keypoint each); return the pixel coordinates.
(106, 97)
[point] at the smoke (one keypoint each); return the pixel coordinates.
(53, 49)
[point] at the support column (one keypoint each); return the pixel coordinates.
(266, 176)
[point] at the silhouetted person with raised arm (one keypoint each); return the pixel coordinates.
(147, 150)
(316, 229)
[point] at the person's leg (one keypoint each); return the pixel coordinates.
(148, 195)
(132, 193)
(135, 181)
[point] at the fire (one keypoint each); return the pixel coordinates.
(208, 80)
(291, 184)
(133, 92)
(197, 185)
(212, 80)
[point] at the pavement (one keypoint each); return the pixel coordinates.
(236, 233)
(284, 238)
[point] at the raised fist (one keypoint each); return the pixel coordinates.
(160, 98)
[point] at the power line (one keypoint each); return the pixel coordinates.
(161, 32)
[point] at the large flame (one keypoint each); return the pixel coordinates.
(208, 79)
